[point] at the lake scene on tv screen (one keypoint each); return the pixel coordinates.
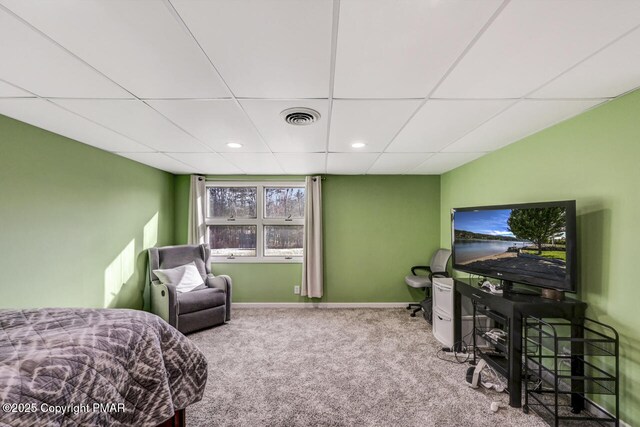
(523, 242)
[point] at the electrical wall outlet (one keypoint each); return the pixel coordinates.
(296, 290)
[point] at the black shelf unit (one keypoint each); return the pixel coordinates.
(512, 307)
(496, 354)
(551, 348)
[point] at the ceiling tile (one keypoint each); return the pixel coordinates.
(36, 64)
(401, 49)
(139, 44)
(373, 122)
(302, 163)
(8, 91)
(255, 163)
(531, 42)
(137, 121)
(397, 163)
(609, 73)
(46, 115)
(441, 122)
(440, 163)
(275, 49)
(207, 163)
(160, 161)
(350, 163)
(214, 122)
(523, 119)
(283, 137)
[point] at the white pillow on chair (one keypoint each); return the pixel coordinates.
(186, 277)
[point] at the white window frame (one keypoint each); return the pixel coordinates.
(260, 222)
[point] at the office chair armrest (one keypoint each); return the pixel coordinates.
(419, 267)
(438, 274)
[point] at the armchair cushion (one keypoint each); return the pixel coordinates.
(186, 277)
(200, 300)
(174, 256)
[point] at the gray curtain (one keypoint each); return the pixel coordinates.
(312, 275)
(197, 206)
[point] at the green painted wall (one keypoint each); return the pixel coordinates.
(375, 229)
(263, 282)
(74, 221)
(594, 159)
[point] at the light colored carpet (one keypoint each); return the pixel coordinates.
(337, 367)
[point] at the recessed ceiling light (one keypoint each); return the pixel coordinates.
(358, 144)
(233, 145)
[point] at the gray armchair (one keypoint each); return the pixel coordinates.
(189, 311)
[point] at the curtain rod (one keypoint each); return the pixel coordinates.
(250, 179)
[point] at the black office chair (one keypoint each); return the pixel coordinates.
(436, 268)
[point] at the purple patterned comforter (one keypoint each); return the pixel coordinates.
(94, 367)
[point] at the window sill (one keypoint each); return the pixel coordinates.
(255, 260)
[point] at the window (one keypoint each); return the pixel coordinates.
(255, 222)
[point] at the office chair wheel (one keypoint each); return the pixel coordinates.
(412, 315)
(409, 307)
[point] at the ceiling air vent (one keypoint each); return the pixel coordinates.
(300, 116)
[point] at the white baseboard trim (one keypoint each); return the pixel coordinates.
(319, 304)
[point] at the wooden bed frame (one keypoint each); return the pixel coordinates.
(178, 420)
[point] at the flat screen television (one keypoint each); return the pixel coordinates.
(532, 243)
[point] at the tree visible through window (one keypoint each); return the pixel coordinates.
(232, 202)
(232, 240)
(283, 240)
(284, 202)
(259, 221)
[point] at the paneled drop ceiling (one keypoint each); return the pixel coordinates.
(425, 85)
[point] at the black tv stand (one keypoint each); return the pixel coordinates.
(552, 294)
(509, 288)
(526, 292)
(512, 308)
(507, 285)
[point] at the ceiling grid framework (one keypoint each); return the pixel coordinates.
(423, 85)
(495, 13)
(335, 25)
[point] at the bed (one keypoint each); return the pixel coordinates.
(95, 367)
